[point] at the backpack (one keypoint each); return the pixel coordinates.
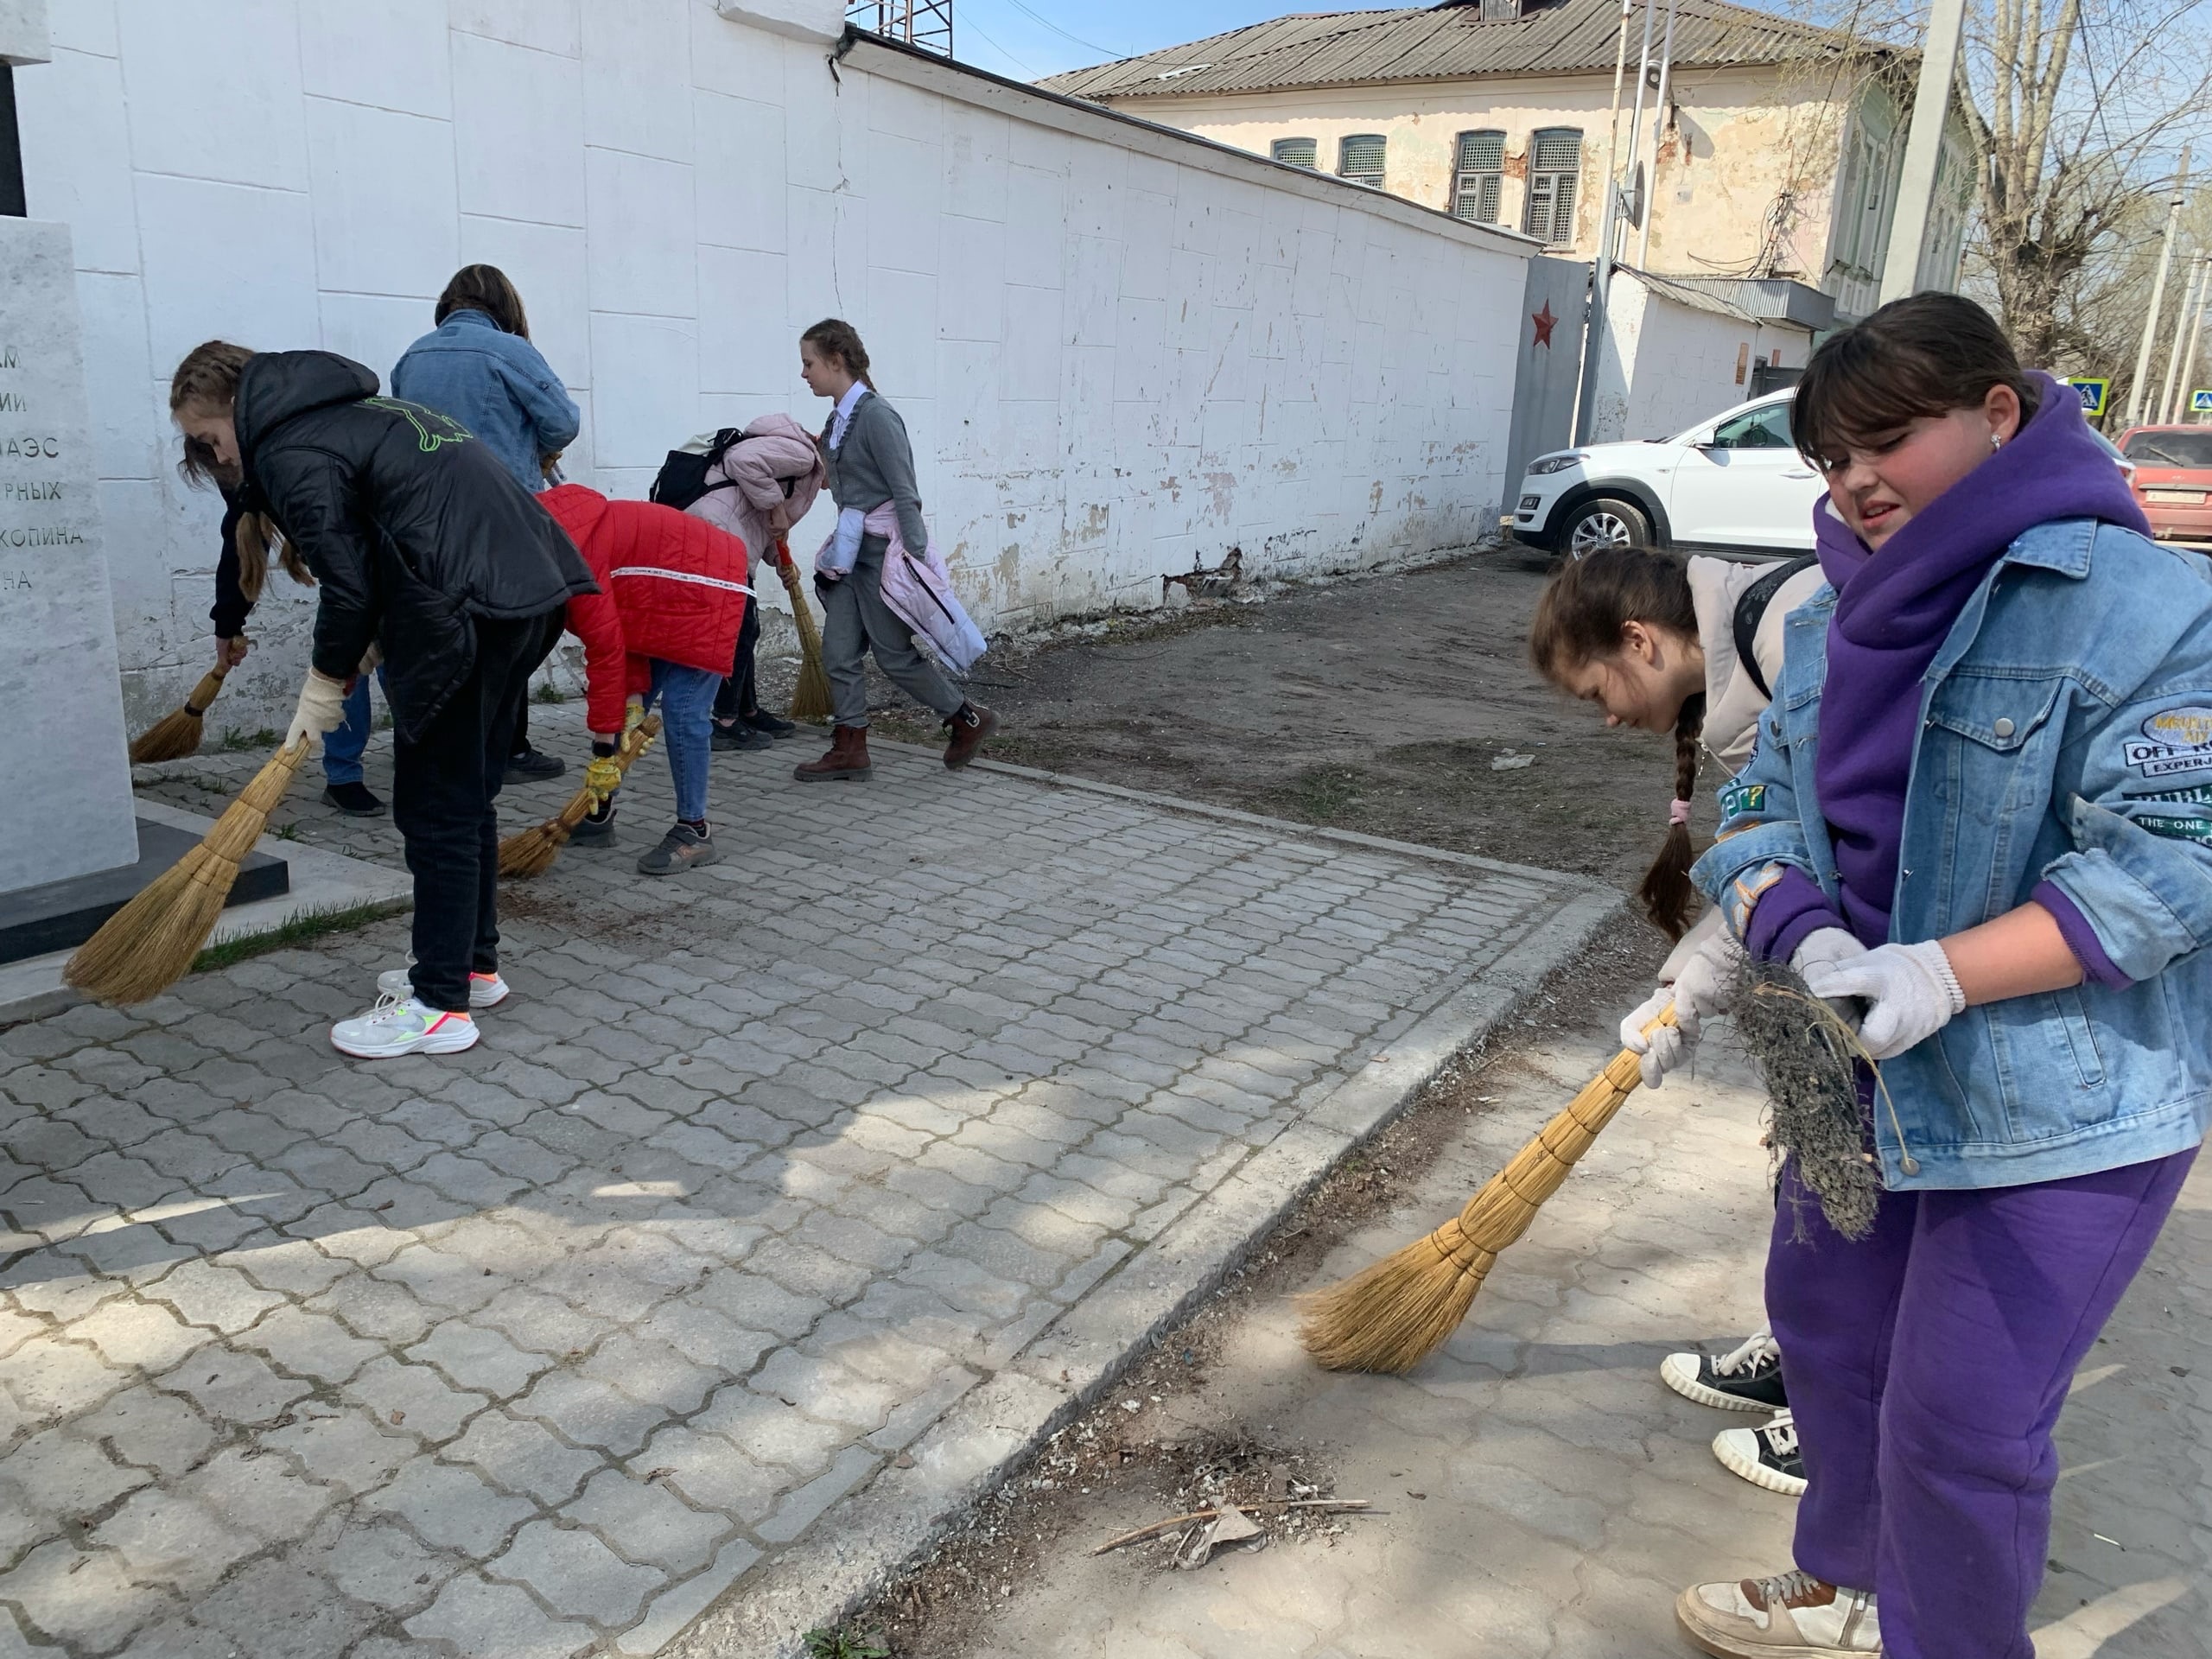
(683, 477)
(1751, 610)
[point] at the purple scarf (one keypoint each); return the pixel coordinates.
(1894, 609)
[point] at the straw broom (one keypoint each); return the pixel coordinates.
(173, 736)
(531, 852)
(150, 943)
(810, 697)
(1391, 1316)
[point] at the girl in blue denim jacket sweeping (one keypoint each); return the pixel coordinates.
(1980, 808)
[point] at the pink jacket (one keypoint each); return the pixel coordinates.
(755, 510)
(919, 593)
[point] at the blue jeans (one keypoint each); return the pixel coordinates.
(686, 696)
(342, 747)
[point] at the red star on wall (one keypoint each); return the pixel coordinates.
(1544, 320)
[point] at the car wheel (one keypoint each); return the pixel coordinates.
(1605, 521)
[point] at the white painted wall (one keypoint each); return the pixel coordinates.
(1666, 365)
(1118, 349)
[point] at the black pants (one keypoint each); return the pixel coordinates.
(738, 694)
(443, 785)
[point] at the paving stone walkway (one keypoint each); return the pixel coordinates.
(543, 1349)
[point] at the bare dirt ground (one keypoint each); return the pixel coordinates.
(1378, 704)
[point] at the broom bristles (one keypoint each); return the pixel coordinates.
(530, 852)
(175, 735)
(810, 696)
(151, 943)
(1392, 1314)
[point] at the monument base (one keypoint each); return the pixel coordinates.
(62, 915)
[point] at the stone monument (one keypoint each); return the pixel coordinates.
(71, 850)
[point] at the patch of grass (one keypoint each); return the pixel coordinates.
(237, 742)
(548, 692)
(286, 832)
(1323, 794)
(844, 1642)
(307, 925)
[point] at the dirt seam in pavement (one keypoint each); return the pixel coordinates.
(862, 1542)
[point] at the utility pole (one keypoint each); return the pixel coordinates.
(1923, 149)
(2138, 393)
(1658, 126)
(2176, 361)
(1593, 327)
(2196, 335)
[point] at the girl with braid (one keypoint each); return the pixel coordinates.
(1688, 648)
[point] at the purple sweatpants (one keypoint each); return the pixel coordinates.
(1926, 1365)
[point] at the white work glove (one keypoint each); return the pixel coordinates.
(1910, 990)
(322, 708)
(1702, 991)
(1828, 947)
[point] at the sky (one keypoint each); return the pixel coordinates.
(1027, 40)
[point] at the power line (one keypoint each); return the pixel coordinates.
(1088, 45)
(969, 24)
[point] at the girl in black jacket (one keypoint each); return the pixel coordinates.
(427, 550)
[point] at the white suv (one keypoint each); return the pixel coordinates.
(1734, 484)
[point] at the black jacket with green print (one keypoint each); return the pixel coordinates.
(412, 527)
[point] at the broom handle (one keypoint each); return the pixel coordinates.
(1566, 1138)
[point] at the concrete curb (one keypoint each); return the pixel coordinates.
(858, 1544)
(1279, 826)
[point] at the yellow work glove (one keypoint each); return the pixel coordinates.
(633, 715)
(322, 708)
(601, 779)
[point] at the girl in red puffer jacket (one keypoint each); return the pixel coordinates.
(662, 628)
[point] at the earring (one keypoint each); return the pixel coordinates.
(1996, 442)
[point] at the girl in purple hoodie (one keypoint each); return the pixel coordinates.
(1980, 813)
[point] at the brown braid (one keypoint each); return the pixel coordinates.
(1668, 897)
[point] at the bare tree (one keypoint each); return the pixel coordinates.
(2082, 112)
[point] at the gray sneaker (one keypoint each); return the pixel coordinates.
(682, 848)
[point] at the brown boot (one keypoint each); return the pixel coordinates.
(847, 758)
(968, 727)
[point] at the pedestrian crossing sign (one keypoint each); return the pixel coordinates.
(2200, 400)
(2092, 393)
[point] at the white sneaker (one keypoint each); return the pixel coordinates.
(484, 990)
(402, 1025)
(1747, 1378)
(1791, 1616)
(1766, 1456)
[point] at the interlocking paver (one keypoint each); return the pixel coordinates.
(482, 1620)
(633, 1310)
(645, 1522)
(576, 1575)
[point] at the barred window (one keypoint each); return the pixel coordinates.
(1478, 176)
(1359, 158)
(1297, 152)
(1554, 171)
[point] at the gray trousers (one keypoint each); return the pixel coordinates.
(854, 621)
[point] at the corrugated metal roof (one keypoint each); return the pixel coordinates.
(1443, 43)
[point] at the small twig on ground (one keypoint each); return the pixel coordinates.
(1334, 1504)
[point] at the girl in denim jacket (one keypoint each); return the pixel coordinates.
(1981, 808)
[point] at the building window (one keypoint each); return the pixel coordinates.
(1478, 176)
(1297, 152)
(1359, 158)
(1554, 170)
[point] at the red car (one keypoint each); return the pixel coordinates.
(2172, 479)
